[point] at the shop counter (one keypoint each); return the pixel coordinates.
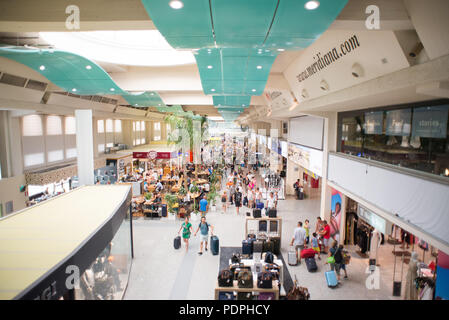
(254, 289)
(83, 232)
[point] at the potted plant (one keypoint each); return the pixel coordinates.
(171, 200)
(212, 199)
(148, 196)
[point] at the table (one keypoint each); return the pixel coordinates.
(201, 181)
(250, 263)
(255, 289)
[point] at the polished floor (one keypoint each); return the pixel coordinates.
(160, 272)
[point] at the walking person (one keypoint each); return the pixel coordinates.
(270, 201)
(187, 230)
(258, 196)
(315, 245)
(224, 201)
(203, 227)
(307, 227)
(298, 240)
(238, 200)
(251, 197)
(326, 234)
(335, 259)
(203, 206)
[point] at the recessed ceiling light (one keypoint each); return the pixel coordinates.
(88, 67)
(212, 90)
(112, 89)
(152, 93)
(209, 67)
(243, 105)
(312, 5)
(42, 67)
(259, 67)
(280, 49)
(136, 104)
(254, 90)
(74, 89)
(176, 4)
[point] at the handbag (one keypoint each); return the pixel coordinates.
(235, 258)
(331, 259)
(225, 278)
(265, 280)
(245, 279)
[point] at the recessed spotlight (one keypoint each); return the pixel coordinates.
(112, 89)
(88, 67)
(280, 49)
(42, 68)
(74, 89)
(136, 104)
(209, 67)
(243, 105)
(259, 67)
(324, 85)
(254, 90)
(152, 93)
(213, 90)
(176, 4)
(312, 5)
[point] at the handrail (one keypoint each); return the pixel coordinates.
(387, 166)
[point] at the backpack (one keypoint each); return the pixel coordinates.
(269, 258)
(207, 225)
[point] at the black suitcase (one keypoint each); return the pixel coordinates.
(311, 265)
(267, 246)
(247, 247)
(257, 213)
(300, 195)
(276, 245)
(214, 245)
(272, 213)
(263, 225)
(164, 210)
(177, 242)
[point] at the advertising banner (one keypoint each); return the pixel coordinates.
(307, 158)
(399, 122)
(430, 122)
(335, 221)
(374, 122)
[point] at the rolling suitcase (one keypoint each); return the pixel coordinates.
(292, 259)
(311, 265)
(267, 246)
(214, 245)
(308, 253)
(257, 246)
(257, 213)
(247, 247)
(259, 205)
(177, 242)
(263, 225)
(276, 244)
(164, 210)
(331, 279)
(272, 213)
(301, 196)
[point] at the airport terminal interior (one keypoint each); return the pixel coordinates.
(224, 150)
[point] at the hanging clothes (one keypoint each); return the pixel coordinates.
(411, 292)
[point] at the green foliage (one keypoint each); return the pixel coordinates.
(148, 196)
(171, 200)
(182, 191)
(212, 197)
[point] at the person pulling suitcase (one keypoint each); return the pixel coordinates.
(203, 227)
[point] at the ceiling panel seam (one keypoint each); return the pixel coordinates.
(272, 21)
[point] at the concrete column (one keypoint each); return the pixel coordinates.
(84, 146)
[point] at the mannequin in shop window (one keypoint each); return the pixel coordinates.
(335, 222)
(411, 292)
(376, 240)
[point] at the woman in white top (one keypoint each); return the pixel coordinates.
(258, 196)
(270, 201)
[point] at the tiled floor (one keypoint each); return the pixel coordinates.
(160, 272)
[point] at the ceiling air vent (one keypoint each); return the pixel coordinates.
(96, 98)
(13, 80)
(86, 97)
(105, 100)
(36, 85)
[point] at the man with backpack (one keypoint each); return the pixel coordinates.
(203, 227)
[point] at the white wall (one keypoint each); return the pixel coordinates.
(9, 191)
(307, 131)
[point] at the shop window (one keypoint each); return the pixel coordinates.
(33, 159)
(137, 126)
(70, 125)
(412, 136)
(54, 126)
(101, 148)
(110, 145)
(142, 140)
(71, 153)
(100, 126)
(55, 155)
(109, 125)
(118, 125)
(32, 126)
(142, 126)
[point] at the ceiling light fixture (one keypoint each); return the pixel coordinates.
(324, 85)
(74, 89)
(112, 89)
(259, 67)
(152, 93)
(42, 68)
(312, 5)
(280, 49)
(209, 67)
(88, 67)
(176, 4)
(213, 90)
(304, 94)
(293, 106)
(254, 90)
(357, 70)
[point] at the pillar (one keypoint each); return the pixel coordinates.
(84, 147)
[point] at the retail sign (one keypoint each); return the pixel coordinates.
(278, 98)
(430, 122)
(399, 122)
(374, 220)
(152, 154)
(307, 158)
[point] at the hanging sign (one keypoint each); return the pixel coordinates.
(374, 220)
(430, 122)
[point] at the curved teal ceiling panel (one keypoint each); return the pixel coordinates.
(295, 27)
(187, 28)
(75, 74)
(243, 101)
